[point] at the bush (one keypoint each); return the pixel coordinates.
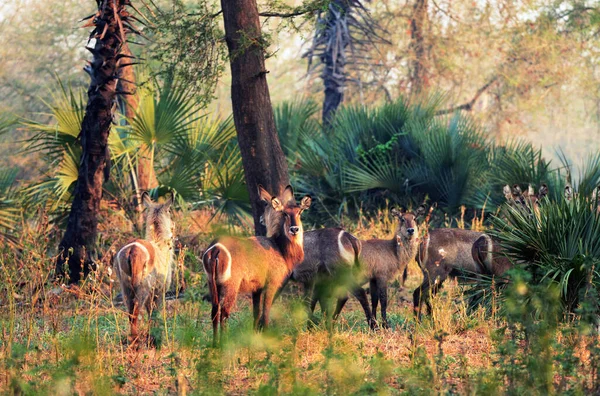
(403, 153)
(559, 245)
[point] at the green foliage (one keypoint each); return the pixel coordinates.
(9, 213)
(402, 152)
(58, 141)
(186, 42)
(560, 245)
(194, 156)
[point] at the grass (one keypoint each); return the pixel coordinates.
(64, 341)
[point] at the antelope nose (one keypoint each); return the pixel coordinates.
(294, 230)
(410, 231)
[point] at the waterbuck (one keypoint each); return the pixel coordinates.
(144, 266)
(450, 252)
(329, 269)
(257, 265)
(527, 200)
(382, 260)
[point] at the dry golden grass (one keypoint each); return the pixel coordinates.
(56, 340)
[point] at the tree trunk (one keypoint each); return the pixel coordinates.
(77, 248)
(418, 66)
(262, 156)
(334, 72)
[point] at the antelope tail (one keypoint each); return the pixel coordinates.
(212, 263)
(356, 246)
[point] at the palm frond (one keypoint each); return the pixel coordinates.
(66, 110)
(163, 116)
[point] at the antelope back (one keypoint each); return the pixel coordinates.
(326, 251)
(450, 247)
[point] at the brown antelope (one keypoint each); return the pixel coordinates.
(144, 266)
(529, 199)
(383, 259)
(596, 198)
(257, 265)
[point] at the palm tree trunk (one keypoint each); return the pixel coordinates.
(262, 156)
(77, 247)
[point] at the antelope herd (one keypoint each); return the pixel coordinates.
(330, 263)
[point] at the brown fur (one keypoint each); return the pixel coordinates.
(257, 265)
(144, 266)
(528, 201)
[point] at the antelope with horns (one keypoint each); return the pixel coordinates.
(144, 266)
(257, 265)
(383, 259)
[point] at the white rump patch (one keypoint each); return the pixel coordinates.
(346, 255)
(139, 245)
(227, 274)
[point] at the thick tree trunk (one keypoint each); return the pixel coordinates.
(77, 247)
(419, 80)
(262, 156)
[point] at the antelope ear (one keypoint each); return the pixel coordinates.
(568, 192)
(169, 200)
(507, 193)
(305, 202)
(396, 213)
(543, 191)
(264, 194)
(276, 204)
(516, 191)
(288, 194)
(421, 210)
(146, 200)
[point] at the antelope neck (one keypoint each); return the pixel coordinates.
(292, 252)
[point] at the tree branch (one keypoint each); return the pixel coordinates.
(469, 105)
(283, 14)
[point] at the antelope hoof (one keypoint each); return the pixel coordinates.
(310, 324)
(385, 324)
(373, 325)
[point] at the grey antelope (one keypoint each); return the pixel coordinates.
(144, 266)
(382, 260)
(331, 258)
(450, 252)
(257, 265)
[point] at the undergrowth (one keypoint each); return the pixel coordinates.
(58, 340)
